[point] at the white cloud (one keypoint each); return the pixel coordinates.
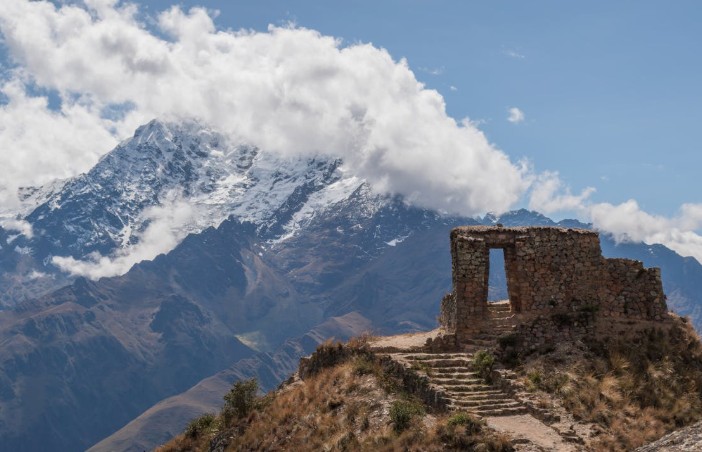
(165, 231)
(515, 115)
(433, 71)
(38, 145)
(21, 226)
(514, 54)
(627, 222)
(549, 194)
(288, 90)
(453, 88)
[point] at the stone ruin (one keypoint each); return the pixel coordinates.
(549, 270)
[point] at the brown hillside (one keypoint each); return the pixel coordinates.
(347, 401)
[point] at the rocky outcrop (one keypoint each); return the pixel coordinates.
(683, 440)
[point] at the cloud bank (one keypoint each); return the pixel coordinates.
(289, 90)
(166, 229)
(84, 76)
(628, 223)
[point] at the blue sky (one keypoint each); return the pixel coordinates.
(603, 97)
(610, 91)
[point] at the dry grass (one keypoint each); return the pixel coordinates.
(348, 406)
(636, 391)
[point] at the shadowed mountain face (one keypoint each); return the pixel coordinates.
(88, 356)
(308, 252)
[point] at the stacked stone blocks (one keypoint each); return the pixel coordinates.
(548, 269)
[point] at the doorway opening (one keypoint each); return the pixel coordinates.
(497, 276)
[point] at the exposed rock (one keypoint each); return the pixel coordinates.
(684, 440)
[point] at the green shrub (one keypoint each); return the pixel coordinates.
(240, 400)
(472, 425)
(364, 366)
(534, 378)
(483, 362)
(402, 412)
(200, 425)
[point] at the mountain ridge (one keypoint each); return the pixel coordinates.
(322, 245)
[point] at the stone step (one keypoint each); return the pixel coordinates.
(474, 388)
(457, 381)
(500, 315)
(436, 363)
(466, 389)
(486, 404)
(464, 378)
(460, 376)
(501, 411)
(467, 396)
(513, 411)
(470, 390)
(454, 370)
(434, 356)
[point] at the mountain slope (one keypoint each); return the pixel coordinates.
(318, 244)
(93, 355)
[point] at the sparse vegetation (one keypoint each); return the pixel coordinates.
(636, 388)
(205, 424)
(240, 400)
(349, 405)
(462, 431)
(403, 411)
(483, 363)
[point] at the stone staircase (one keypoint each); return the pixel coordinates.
(464, 389)
(500, 322)
(452, 375)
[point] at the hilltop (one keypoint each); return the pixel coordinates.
(583, 356)
(371, 395)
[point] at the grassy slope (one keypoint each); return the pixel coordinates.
(353, 405)
(633, 388)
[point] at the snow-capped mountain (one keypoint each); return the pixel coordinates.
(177, 179)
(165, 165)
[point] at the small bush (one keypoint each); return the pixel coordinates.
(200, 425)
(534, 380)
(240, 400)
(422, 367)
(402, 412)
(472, 435)
(483, 362)
(364, 366)
(472, 425)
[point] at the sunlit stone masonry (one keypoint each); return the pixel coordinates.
(548, 269)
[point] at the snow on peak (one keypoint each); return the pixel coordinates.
(171, 179)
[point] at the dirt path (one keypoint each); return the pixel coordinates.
(526, 426)
(404, 341)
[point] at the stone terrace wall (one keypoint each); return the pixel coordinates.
(547, 269)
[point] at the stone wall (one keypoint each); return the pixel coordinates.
(548, 269)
